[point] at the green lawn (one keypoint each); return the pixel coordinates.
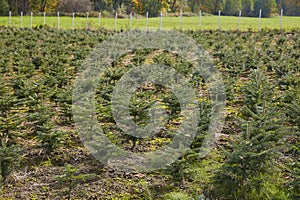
(208, 23)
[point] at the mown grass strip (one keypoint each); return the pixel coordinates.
(188, 23)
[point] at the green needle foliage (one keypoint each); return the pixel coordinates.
(251, 165)
(38, 68)
(293, 151)
(177, 196)
(9, 122)
(44, 128)
(72, 178)
(51, 139)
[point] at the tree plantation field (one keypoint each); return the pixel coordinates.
(257, 154)
(188, 23)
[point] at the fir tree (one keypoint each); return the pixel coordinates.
(252, 161)
(9, 123)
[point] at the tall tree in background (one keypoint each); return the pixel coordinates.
(291, 7)
(232, 7)
(17, 6)
(177, 5)
(69, 6)
(247, 7)
(227, 7)
(195, 5)
(153, 7)
(173, 5)
(43, 5)
(219, 5)
(137, 6)
(208, 6)
(268, 7)
(4, 7)
(101, 5)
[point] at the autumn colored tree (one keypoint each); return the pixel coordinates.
(138, 6)
(291, 7)
(207, 6)
(43, 5)
(153, 7)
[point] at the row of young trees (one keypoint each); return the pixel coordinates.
(228, 7)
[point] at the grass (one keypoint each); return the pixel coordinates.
(192, 23)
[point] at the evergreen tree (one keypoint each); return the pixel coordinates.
(9, 122)
(251, 166)
(292, 105)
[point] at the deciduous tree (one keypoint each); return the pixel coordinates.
(43, 5)
(232, 7)
(4, 7)
(268, 7)
(247, 7)
(74, 6)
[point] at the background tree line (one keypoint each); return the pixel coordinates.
(228, 7)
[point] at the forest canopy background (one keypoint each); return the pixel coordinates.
(154, 7)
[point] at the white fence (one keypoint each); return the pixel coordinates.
(200, 21)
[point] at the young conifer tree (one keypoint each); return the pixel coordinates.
(9, 122)
(249, 170)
